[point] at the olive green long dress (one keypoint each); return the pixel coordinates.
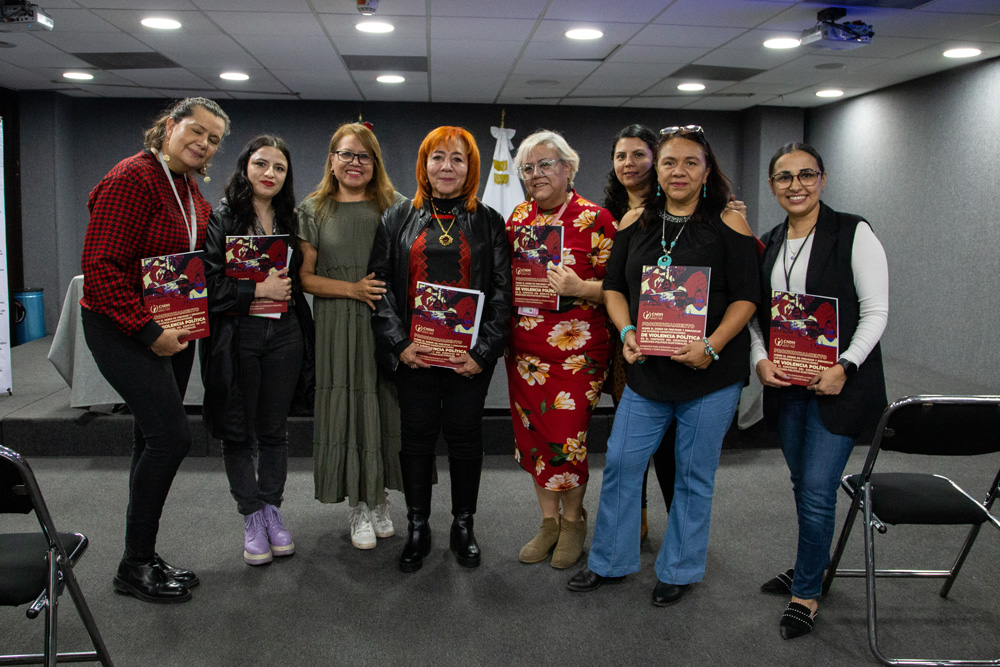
(356, 437)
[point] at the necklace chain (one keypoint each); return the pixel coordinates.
(665, 259)
(445, 238)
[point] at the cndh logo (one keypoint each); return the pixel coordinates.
(784, 342)
(159, 308)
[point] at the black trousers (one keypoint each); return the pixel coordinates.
(153, 388)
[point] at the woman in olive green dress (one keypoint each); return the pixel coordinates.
(356, 440)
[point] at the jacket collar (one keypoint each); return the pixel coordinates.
(824, 238)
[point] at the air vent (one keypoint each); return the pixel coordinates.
(713, 73)
(386, 63)
(139, 60)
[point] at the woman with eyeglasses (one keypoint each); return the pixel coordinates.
(822, 252)
(356, 422)
(446, 236)
(685, 222)
(557, 360)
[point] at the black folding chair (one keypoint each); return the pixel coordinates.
(927, 425)
(34, 567)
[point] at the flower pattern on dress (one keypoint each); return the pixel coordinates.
(532, 369)
(539, 465)
(575, 363)
(563, 482)
(594, 393)
(525, 421)
(575, 449)
(520, 213)
(529, 322)
(563, 401)
(585, 220)
(569, 335)
(602, 249)
(567, 257)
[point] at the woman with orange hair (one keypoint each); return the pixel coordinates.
(448, 237)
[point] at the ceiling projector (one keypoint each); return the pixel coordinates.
(828, 34)
(18, 16)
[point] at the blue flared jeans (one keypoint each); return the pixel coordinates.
(816, 459)
(638, 428)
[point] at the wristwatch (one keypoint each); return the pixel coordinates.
(850, 368)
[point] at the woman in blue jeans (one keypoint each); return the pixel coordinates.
(252, 364)
(819, 251)
(684, 222)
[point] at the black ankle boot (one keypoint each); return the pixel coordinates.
(144, 580)
(418, 473)
(463, 541)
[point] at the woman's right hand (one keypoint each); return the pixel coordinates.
(170, 342)
(369, 290)
(277, 286)
(631, 350)
(411, 356)
(770, 375)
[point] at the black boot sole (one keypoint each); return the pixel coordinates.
(465, 561)
(126, 588)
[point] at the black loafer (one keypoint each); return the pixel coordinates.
(665, 594)
(186, 578)
(796, 620)
(587, 580)
(779, 585)
(148, 583)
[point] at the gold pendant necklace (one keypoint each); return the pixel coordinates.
(445, 239)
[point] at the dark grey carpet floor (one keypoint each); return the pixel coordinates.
(332, 604)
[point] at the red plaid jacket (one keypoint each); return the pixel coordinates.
(133, 215)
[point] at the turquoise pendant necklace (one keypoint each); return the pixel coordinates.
(665, 260)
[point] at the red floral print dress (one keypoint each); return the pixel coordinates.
(557, 361)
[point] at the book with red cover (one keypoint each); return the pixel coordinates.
(804, 334)
(673, 308)
(255, 258)
(445, 320)
(537, 248)
(174, 291)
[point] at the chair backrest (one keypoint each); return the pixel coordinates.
(15, 497)
(942, 425)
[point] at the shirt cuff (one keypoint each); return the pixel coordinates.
(148, 334)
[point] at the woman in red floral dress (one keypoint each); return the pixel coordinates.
(557, 359)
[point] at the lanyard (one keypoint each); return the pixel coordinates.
(192, 224)
(787, 250)
(559, 213)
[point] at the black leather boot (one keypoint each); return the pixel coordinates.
(146, 581)
(417, 472)
(465, 474)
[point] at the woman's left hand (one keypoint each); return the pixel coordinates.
(468, 367)
(737, 205)
(693, 356)
(828, 382)
(564, 281)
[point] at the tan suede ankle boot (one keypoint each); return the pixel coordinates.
(541, 545)
(572, 535)
(644, 527)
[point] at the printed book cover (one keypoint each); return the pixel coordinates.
(804, 334)
(255, 258)
(673, 308)
(174, 291)
(445, 320)
(537, 248)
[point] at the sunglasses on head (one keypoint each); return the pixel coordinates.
(682, 129)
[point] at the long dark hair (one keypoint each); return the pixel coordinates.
(615, 194)
(791, 148)
(239, 197)
(718, 187)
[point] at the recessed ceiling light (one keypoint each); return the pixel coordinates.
(374, 26)
(390, 78)
(832, 92)
(782, 43)
(962, 53)
(691, 87)
(234, 76)
(161, 23)
(584, 33)
(78, 76)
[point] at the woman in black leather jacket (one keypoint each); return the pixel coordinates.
(252, 364)
(448, 237)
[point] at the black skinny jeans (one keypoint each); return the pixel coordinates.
(270, 358)
(153, 388)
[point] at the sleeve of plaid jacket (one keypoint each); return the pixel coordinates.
(120, 207)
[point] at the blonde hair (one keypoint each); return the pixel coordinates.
(379, 190)
(553, 140)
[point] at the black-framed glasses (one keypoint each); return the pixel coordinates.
(348, 156)
(807, 177)
(683, 129)
(542, 168)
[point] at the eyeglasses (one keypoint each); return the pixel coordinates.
(348, 156)
(543, 168)
(682, 129)
(807, 177)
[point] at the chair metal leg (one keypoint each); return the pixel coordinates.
(52, 611)
(101, 651)
(845, 533)
(966, 548)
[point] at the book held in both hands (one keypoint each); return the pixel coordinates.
(673, 308)
(174, 291)
(804, 334)
(255, 258)
(536, 249)
(446, 321)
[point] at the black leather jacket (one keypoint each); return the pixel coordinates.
(223, 410)
(390, 261)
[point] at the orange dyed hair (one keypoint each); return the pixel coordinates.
(447, 136)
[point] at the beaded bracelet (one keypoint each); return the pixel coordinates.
(625, 330)
(709, 352)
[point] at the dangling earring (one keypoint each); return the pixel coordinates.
(204, 172)
(704, 191)
(166, 157)
(658, 191)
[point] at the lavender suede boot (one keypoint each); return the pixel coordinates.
(280, 539)
(256, 550)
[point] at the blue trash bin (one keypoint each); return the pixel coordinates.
(29, 315)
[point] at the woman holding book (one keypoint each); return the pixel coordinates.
(148, 206)
(446, 237)
(356, 430)
(685, 223)
(821, 252)
(251, 365)
(558, 357)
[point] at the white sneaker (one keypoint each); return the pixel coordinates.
(383, 524)
(362, 532)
